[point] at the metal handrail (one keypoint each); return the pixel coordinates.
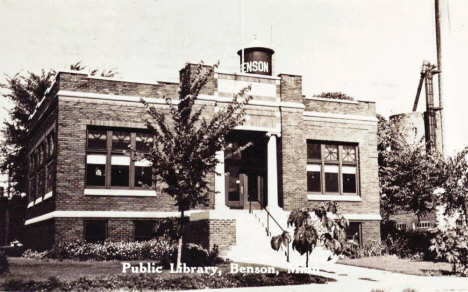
(268, 223)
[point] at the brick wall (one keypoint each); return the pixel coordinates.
(362, 108)
(41, 235)
(207, 233)
(120, 230)
(370, 231)
(291, 88)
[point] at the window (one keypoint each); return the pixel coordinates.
(353, 232)
(423, 225)
(107, 165)
(332, 168)
(144, 230)
(41, 184)
(401, 226)
(95, 231)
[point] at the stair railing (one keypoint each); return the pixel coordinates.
(268, 223)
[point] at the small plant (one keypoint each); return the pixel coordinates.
(4, 267)
(452, 245)
(306, 236)
(334, 95)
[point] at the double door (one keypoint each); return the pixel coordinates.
(244, 188)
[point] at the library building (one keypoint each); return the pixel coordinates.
(305, 151)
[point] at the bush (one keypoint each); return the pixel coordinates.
(160, 249)
(353, 250)
(156, 282)
(411, 244)
(452, 245)
(4, 267)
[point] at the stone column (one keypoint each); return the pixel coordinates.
(272, 172)
(220, 182)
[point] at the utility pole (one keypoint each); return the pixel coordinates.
(438, 10)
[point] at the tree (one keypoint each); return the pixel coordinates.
(25, 90)
(453, 195)
(408, 175)
(186, 142)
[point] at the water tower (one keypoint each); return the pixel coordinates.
(257, 59)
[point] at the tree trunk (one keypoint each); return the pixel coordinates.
(181, 238)
(307, 259)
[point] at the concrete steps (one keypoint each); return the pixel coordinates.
(253, 244)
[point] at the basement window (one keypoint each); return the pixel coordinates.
(144, 230)
(354, 232)
(95, 231)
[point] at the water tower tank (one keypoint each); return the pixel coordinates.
(257, 59)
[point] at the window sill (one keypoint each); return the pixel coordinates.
(115, 192)
(341, 198)
(48, 195)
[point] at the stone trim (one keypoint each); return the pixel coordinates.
(332, 100)
(106, 214)
(339, 198)
(120, 192)
(318, 115)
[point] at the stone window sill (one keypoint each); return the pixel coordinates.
(116, 192)
(340, 198)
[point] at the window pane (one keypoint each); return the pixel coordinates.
(32, 188)
(41, 184)
(145, 230)
(233, 187)
(95, 231)
(331, 178)
(96, 175)
(96, 170)
(331, 152)
(120, 140)
(97, 139)
(49, 183)
(313, 178)
(142, 176)
(120, 171)
(349, 153)
(352, 232)
(144, 141)
(313, 151)
(349, 179)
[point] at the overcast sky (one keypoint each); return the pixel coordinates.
(369, 49)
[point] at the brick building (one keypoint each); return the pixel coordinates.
(305, 151)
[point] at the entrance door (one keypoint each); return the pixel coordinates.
(243, 190)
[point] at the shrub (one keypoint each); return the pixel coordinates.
(4, 267)
(411, 244)
(353, 250)
(452, 245)
(30, 254)
(160, 249)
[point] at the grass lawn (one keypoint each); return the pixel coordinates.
(42, 275)
(41, 270)
(405, 266)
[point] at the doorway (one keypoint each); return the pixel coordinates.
(246, 172)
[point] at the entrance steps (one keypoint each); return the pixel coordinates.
(253, 245)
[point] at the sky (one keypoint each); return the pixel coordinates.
(369, 49)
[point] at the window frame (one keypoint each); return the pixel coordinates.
(109, 152)
(322, 162)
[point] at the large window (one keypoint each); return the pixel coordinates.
(107, 165)
(332, 168)
(42, 167)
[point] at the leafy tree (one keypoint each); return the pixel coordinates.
(408, 175)
(334, 95)
(453, 195)
(186, 141)
(24, 91)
